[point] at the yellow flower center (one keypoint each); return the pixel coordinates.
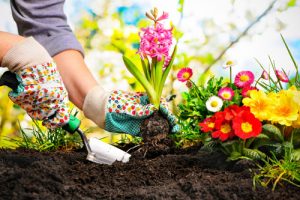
(186, 75)
(284, 111)
(226, 95)
(229, 62)
(225, 128)
(244, 78)
(211, 125)
(246, 127)
(214, 104)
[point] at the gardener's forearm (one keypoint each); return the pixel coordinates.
(7, 40)
(75, 74)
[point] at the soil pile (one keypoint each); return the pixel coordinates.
(67, 175)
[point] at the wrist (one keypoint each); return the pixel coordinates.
(94, 106)
(26, 53)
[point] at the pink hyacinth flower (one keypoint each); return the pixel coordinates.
(265, 75)
(246, 90)
(281, 76)
(155, 42)
(243, 79)
(164, 16)
(226, 93)
(185, 74)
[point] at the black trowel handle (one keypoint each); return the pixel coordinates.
(9, 79)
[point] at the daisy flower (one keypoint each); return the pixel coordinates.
(229, 63)
(214, 104)
(185, 74)
(244, 78)
(226, 93)
(281, 76)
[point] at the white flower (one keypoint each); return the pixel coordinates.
(229, 64)
(214, 104)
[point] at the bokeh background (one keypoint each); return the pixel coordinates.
(209, 33)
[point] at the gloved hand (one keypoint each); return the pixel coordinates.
(122, 112)
(41, 91)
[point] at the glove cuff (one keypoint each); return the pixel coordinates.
(25, 54)
(94, 105)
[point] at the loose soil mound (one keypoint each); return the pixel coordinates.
(67, 175)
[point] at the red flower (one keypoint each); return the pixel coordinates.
(207, 125)
(246, 125)
(224, 132)
(184, 74)
(247, 89)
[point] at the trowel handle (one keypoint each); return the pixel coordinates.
(73, 125)
(9, 79)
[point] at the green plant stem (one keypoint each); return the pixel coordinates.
(230, 74)
(292, 57)
(257, 81)
(197, 89)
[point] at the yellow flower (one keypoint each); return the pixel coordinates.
(259, 104)
(284, 108)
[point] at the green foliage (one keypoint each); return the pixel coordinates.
(193, 109)
(274, 84)
(274, 171)
(47, 140)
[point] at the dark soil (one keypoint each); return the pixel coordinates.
(154, 129)
(177, 175)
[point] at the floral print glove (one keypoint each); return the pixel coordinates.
(42, 94)
(125, 112)
(41, 91)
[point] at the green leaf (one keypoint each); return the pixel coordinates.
(166, 72)
(291, 3)
(253, 154)
(145, 83)
(292, 57)
(146, 68)
(234, 156)
(158, 75)
(296, 155)
(181, 3)
(262, 136)
(273, 130)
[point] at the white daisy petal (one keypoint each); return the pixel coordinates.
(214, 104)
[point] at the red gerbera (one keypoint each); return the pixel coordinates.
(246, 125)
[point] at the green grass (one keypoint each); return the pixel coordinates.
(41, 139)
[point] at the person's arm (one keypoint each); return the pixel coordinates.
(47, 23)
(38, 87)
(76, 75)
(115, 111)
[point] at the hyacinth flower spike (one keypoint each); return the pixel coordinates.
(155, 60)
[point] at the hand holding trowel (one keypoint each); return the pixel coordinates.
(98, 151)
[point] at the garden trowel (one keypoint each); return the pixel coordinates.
(98, 151)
